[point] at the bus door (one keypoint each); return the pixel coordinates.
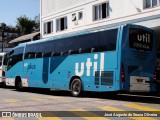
(31, 70)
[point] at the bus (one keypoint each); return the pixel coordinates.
(3, 66)
(121, 58)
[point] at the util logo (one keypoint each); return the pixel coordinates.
(91, 65)
(146, 38)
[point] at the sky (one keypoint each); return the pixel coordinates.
(10, 10)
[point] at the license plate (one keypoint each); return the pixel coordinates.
(139, 80)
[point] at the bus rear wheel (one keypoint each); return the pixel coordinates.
(76, 87)
(18, 84)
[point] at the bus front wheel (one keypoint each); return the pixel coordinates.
(76, 87)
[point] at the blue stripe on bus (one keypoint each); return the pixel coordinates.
(45, 70)
(55, 62)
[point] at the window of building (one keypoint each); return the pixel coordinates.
(74, 17)
(48, 27)
(80, 15)
(101, 11)
(77, 16)
(151, 3)
(61, 24)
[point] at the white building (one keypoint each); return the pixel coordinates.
(67, 16)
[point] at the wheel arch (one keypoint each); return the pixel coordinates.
(72, 78)
(17, 79)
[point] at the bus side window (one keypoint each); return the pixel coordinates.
(26, 55)
(87, 41)
(88, 50)
(63, 46)
(32, 55)
(47, 54)
(39, 55)
(108, 40)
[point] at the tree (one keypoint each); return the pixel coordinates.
(25, 25)
(3, 25)
(3, 28)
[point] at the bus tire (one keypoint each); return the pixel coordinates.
(76, 87)
(18, 84)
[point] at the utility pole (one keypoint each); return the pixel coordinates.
(2, 38)
(3, 27)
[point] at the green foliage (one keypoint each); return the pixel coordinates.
(25, 25)
(3, 25)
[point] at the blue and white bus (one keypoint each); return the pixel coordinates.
(122, 58)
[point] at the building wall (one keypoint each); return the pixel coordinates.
(120, 12)
(50, 7)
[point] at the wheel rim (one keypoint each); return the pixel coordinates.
(76, 88)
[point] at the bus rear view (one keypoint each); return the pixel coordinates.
(138, 59)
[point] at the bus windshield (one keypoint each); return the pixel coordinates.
(140, 39)
(5, 59)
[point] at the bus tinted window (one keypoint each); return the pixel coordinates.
(5, 59)
(140, 39)
(63, 46)
(48, 48)
(85, 43)
(108, 41)
(39, 50)
(16, 55)
(31, 50)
